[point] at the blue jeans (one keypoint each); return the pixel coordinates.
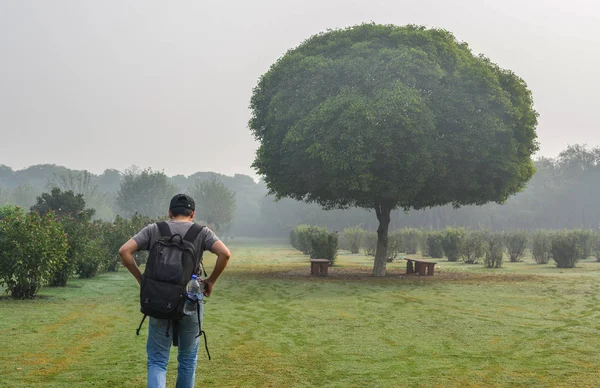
(159, 345)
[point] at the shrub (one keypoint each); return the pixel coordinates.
(32, 249)
(370, 243)
(353, 239)
(423, 234)
(95, 253)
(395, 244)
(494, 251)
(435, 244)
(585, 240)
(516, 243)
(566, 249)
(324, 245)
(541, 247)
(473, 247)
(452, 241)
(10, 210)
(411, 240)
(93, 261)
(596, 246)
(300, 237)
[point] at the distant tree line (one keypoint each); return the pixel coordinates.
(563, 194)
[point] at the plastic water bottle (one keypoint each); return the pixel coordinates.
(194, 291)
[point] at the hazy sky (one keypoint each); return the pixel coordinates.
(166, 84)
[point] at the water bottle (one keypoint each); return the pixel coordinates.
(194, 291)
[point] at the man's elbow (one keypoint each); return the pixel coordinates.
(124, 253)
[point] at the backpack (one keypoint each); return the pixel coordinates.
(171, 263)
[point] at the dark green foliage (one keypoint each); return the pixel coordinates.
(435, 244)
(70, 210)
(473, 247)
(332, 115)
(541, 247)
(516, 244)
(566, 249)
(32, 249)
(494, 251)
(452, 243)
(324, 245)
(353, 239)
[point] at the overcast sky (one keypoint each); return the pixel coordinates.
(166, 84)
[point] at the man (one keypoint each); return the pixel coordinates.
(182, 211)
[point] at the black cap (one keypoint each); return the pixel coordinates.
(182, 201)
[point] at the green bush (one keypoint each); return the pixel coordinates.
(32, 249)
(423, 235)
(585, 240)
(541, 247)
(473, 247)
(300, 237)
(324, 245)
(596, 246)
(315, 241)
(353, 239)
(93, 261)
(395, 244)
(10, 210)
(370, 243)
(516, 243)
(435, 244)
(411, 240)
(566, 249)
(452, 242)
(494, 251)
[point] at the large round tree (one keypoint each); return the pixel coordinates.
(385, 117)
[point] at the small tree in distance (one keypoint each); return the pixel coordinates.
(215, 203)
(385, 117)
(145, 192)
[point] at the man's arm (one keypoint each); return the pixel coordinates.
(126, 252)
(223, 256)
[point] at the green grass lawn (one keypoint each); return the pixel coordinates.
(270, 324)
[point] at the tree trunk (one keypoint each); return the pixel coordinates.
(383, 215)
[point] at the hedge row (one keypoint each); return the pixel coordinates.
(474, 247)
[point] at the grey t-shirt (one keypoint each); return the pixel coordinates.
(146, 237)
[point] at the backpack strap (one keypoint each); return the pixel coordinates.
(193, 233)
(200, 331)
(137, 332)
(164, 229)
(175, 333)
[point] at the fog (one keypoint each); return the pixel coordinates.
(110, 84)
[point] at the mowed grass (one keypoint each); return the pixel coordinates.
(270, 324)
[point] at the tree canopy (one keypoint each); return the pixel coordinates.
(382, 117)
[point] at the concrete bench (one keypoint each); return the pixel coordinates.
(319, 267)
(422, 267)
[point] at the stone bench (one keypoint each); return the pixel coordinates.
(319, 267)
(421, 267)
